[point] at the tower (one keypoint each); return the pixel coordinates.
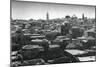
(47, 16)
(83, 16)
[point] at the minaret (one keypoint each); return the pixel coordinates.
(47, 16)
(83, 16)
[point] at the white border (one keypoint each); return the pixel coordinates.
(5, 32)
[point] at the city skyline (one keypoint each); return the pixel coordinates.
(37, 10)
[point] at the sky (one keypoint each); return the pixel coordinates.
(37, 10)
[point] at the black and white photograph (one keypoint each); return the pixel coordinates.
(43, 33)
